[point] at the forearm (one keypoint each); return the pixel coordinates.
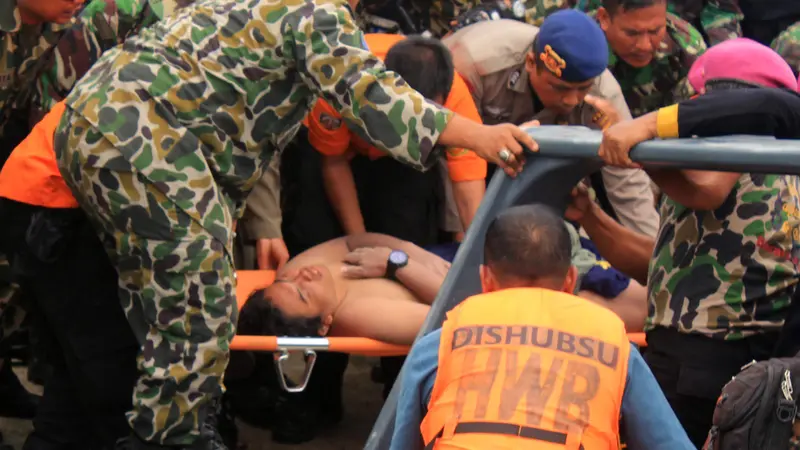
(418, 278)
(626, 250)
(340, 187)
(468, 196)
(695, 189)
(769, 112)
(366, 240)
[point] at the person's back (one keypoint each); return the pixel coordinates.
(548, 365)
(527, 364)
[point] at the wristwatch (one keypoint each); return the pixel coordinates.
(397, 260)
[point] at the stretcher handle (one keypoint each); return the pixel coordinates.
(283, 357)
(350, 345)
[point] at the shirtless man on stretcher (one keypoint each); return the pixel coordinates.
(341, 288)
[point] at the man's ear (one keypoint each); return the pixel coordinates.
(488, 282)
(570, 281)
(603, 18)
(325, 327)
(530, 62)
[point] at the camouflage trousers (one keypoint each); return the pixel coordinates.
(176, 284)
(11, 314)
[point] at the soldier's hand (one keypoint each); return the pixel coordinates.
(606, 114)
(619, 139)
(271, 254)
(502, 145)
(582, 198)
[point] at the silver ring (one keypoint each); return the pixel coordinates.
(504, 155)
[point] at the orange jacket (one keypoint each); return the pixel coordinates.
(528, 369)
(328, 134)
(31, 174)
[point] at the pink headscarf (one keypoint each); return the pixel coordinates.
(742, 59)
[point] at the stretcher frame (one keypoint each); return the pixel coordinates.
(566, 155)
(249, 281)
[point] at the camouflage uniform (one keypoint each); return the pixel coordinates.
(664, 81)
(720, 20)
(166, 135)
(727, 273)
(47, 76)
(21, 52)
(441, 13)
(787, 44)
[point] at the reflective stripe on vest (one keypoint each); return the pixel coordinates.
(31, 175)
(528, 369)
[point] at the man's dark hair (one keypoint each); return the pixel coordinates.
(528, 243)
(425, 64)
(628, 5)
(260, 317)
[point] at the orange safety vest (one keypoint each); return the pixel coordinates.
(31, 175)
(528, 368)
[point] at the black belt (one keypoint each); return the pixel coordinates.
(508, 429)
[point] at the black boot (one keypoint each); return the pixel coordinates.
(15, 400)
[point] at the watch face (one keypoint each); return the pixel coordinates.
(397, 257)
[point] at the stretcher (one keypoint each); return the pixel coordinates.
(249, 281)
(566, 155)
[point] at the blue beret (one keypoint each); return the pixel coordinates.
(572, 46)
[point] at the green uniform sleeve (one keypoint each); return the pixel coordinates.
(721, 20)
(377, 104)
(103, 24)
(787, 44)
(691, 45)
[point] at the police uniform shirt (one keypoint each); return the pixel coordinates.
(502, 92)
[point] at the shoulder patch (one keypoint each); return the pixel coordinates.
(330, 122)
(514, 77)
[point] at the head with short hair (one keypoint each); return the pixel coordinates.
(740, 62)
(634, 28)
(528, 246)
(300, 302)
(425, 64)
(48, 11)
(568, 53)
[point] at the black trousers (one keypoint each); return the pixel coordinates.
(692, 369)
(395, 199)
(75, 310)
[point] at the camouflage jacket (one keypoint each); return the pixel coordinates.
(441, 13)
(207, 96)
(728, 273)
(787, 44)
(21, 54)
(719, 20)
(102, 25)
(664, 81)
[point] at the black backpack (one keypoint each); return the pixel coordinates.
(757, 408)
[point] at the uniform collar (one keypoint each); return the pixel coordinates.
(518, 80)
(10, 20)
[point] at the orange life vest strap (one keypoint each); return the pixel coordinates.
(508, 429)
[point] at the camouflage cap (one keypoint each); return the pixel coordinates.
(744, 60)
(572, 46)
